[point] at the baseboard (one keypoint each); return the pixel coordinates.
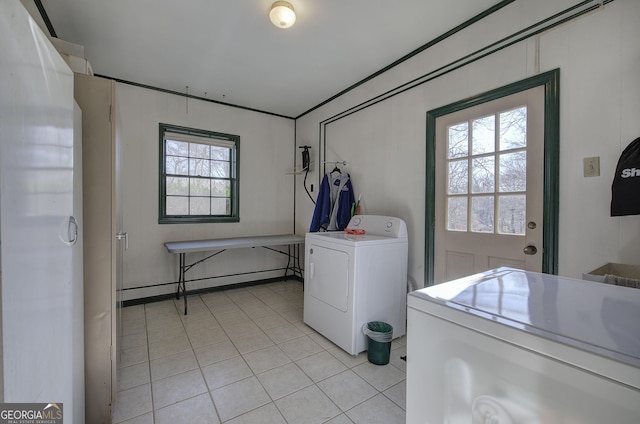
(159, 298)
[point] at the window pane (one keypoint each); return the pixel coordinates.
(513, 129)
(483, 174)
(511, 214)
(484, 135)
(199, 167)
(482, 214)
(458, 176)
(513, 172)
(220, 153)
(457, 214)
(176, 165)
(199, 206)
(177, 205)
(177, 186)
(197, 176)
(220, 206)
(458, 140)
(177, 148)
(200, 187)
(220, 169)
(221, 188)
(199, 150)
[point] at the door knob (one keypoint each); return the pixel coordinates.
(530, 250)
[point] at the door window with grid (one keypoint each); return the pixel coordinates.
(486, 173)
(199, 175)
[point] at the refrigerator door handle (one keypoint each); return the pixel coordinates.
(68, 231)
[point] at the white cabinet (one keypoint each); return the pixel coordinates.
(102, 248)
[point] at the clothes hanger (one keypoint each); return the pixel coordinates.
(336, 169)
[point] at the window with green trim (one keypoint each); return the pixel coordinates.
(198, 176)
(486, 173)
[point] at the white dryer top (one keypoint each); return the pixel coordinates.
(351, 240)
(376, 225)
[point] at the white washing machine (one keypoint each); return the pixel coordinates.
(510, 346)
(352, 279)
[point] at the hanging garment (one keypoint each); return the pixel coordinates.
(333, 205)
(625, 190)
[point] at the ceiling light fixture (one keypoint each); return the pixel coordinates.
(282, 14)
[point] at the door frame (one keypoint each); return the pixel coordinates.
(551, 82)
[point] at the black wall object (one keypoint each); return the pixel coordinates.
(625, 190)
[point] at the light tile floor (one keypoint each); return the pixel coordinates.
(244, 356)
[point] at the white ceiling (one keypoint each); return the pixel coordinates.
(229, 50)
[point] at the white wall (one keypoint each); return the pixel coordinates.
(266, 191)
(384, 145)
(599, 60)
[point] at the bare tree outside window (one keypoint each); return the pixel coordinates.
(199, 176)
(487, 173)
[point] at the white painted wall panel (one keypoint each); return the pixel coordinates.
(599, 59)
(266, 191)
(590, 110)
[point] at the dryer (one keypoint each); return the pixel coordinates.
(352, 279)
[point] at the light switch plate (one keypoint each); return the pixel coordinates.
(591, 166)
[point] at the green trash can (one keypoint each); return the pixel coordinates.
(379, 335)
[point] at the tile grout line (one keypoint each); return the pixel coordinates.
(215, 408)
(273, 401)
(244, 305)
(293, 361)
(146, 331)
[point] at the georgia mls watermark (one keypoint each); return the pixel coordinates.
(31, 413)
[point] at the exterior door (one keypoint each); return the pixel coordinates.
(489, 186)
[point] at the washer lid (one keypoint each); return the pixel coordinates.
(597, 317)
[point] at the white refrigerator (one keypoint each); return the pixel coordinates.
(510, 346)
(42, 359)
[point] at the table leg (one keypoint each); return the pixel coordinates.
(286, 270)
(297, 260)
(182, 282)
(293, 262)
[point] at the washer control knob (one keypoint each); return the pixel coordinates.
(356, 222)
(389, 224)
